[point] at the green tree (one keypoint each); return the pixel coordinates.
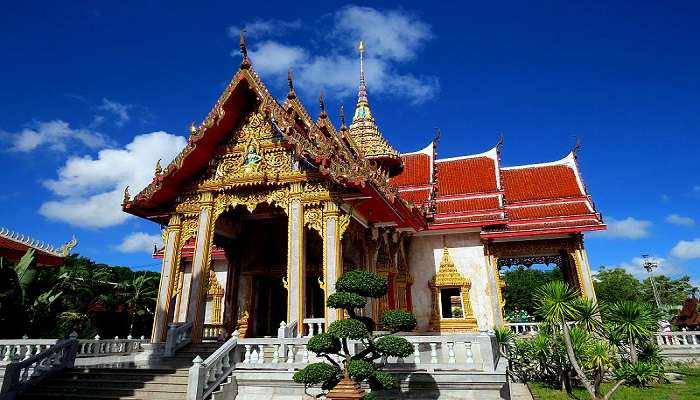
(672, 292)
(138, 294)
(521, 284)
(352, 290)
(616, 284)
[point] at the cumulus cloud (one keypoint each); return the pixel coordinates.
(261, 27)
(89, 190)
(139, 242)
(119, 110)
(676, 219)
(391, 38)
(628, 228)
(666, 267)
(687, 249)
(56, 135)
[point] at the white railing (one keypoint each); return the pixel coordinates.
(273, 353)
(678, 340)
(524, 328)
(313, 326)
(98, 347)
(206, 376)
(287, 330)
(23, 374)
(214, 332)
(179, 336)
(22, 349)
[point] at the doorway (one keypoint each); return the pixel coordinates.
(270, 306)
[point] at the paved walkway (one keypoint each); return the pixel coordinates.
(518, 391)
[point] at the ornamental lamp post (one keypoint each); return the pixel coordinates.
(650, 266)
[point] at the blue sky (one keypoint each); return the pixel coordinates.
(92, 93)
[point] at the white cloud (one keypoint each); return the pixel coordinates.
(120, 111)
(260, 27)
(139, 242)
(391, 38)
(687, 249)
(665, 267)
(676, 219)
(56, 135)
(628, 228)
(90, 190)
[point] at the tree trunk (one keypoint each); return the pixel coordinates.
(633, 350)
(574, 363)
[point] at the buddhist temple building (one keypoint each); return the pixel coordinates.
(14, 245)
(266, 207)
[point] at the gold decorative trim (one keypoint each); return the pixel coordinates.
(449, 277)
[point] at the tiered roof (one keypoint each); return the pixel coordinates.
(476, 191)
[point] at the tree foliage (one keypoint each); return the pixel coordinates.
(353, 287)
(521, 283)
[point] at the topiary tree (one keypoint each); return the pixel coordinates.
(352, 290)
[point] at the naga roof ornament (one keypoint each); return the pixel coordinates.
(365, 132)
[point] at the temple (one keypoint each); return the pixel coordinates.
(266, 207)
(14, 245)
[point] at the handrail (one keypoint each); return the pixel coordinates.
(23, 374)
(22, 349)
(206, 376)
(179, 336)
(98, 347)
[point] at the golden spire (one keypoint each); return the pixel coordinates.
(362, 94)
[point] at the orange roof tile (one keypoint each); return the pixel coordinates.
(473, 204)
(537, 183)
(466, 175)
(415, 196)
(416, 170)
(548, 210)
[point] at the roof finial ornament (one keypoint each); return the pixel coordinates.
(292, 94)
(500, 141)
(245, 64)
(159, 170)
(322, 105)
(127, 196)
(577, 147)
(193, 130)
(342, 118)
(438, 135)
(362, 94)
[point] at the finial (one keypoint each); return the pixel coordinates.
(362, 93)
(66, 248)
(159, 170)
(438, 135)
(193, 129)
(322, 105)
(500, 141)
(290, 82)
(577, 147)
(244, 51)
(127, 196)
(342, 118)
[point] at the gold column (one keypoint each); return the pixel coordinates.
(200, 266)
(583, 270)
(168, 274)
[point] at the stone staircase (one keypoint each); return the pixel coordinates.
(162, 379)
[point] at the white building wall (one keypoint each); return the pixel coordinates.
(467, 253)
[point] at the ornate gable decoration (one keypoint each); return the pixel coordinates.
(448, 277)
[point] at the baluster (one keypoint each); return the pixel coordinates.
(416, 353)
(451, 353)
(468, 350)
(211, 373)
(305, 356)
(27, 351)
(261, 354)
(254, 355)
(290, 354)
(276, 354)
(384, 359)
(433, 353)
(246, 357)
(9, 349)
(319, 326)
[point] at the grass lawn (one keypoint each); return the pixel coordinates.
(665, 391)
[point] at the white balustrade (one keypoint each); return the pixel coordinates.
(98, 347)
(314, 326)
(524, 328)
(22, 349)
(214, 332)
(205, 376)
(678, 340)
(179, 336)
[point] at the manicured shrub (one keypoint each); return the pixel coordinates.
(360, 370)
(382, 380)
(324, 343)
(348, 328)
(316, 373)
(399, 321)
(366, 284)
(369, 322)
(346, 300)
(394, 346)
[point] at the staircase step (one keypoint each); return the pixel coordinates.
(161, 383)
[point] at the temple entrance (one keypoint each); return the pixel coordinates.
(269, 306)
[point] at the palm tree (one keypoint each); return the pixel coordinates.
(633, 321)
(139, 294)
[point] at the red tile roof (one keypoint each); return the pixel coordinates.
(536, 183)
(13, 246)
(418, 196)
(416, 170)
(466, 175)
(471, 204)
(548, 210)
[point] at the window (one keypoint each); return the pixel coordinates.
(451, 303)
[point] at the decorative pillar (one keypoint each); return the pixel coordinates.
(332, 265)
(583, 269)
(296, 259)
(495, 287)
(200, 267)
(167, 275)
